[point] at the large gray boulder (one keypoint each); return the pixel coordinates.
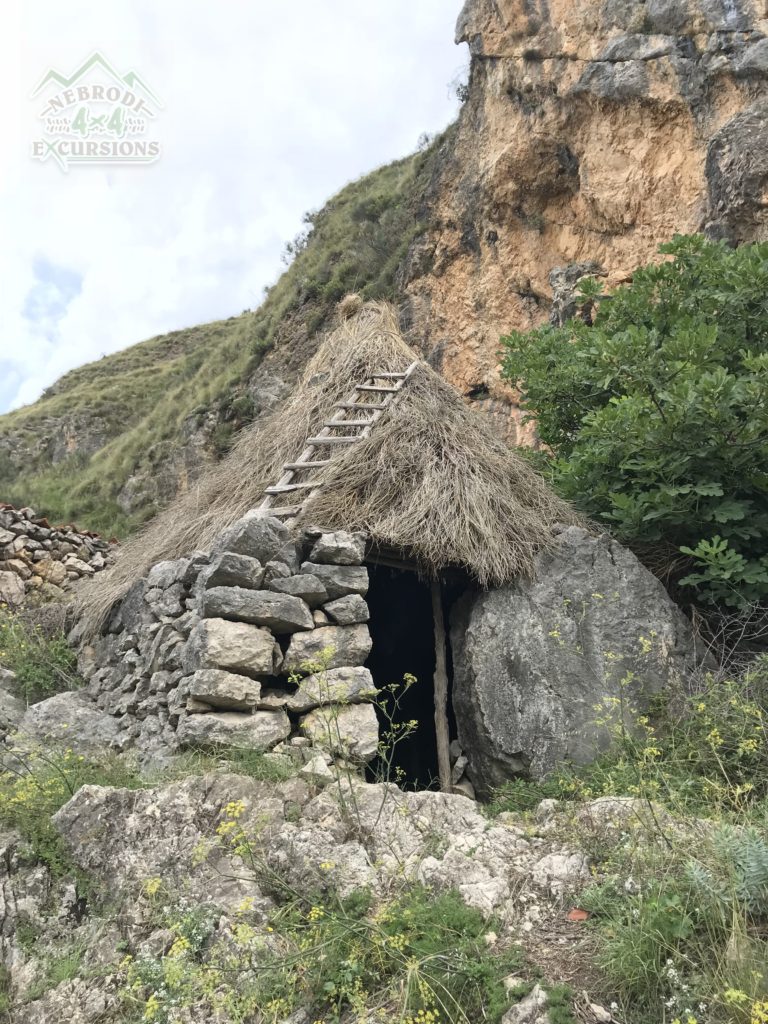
(538, 663)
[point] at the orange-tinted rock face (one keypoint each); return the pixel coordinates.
(593, 132)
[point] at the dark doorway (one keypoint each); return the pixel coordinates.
(403, 642)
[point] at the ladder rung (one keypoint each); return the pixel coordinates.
(362, 405)
(290, 487)
(376, 387)
(287, 510)
(306, 465)
(332, 440)
(389, 376)
(348, 423)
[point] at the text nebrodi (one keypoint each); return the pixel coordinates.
(96, 115)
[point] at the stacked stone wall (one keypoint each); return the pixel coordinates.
(258, 644)
(41, 561)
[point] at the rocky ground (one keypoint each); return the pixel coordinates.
(221, 842)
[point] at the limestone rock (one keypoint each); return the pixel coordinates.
(122, 837)
(281, 613)
(75, 1001)
(11, 589)
(51, 571)
(532, 1009)
(340, 548)
(232, 570)
(316, 772)
(533, 660)
(350, 731)
(78, 566)
(336, 686)
(70, 720)
(348, 645)
(273, 699)
(234, 646)
(164, 575)
(258, 731)
(12, 709)
(275, 570)
(339, 580)
(560, 871)
(224, 690)
(261, 537)
(346, 611)
(306, 586)
(544, 167)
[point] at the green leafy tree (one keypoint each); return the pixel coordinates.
(654, 405)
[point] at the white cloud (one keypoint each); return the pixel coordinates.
(268, 109)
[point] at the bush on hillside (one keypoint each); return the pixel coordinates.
(656, 413)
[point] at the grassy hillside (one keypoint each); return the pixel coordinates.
(144, 403)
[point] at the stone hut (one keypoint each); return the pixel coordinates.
(374, 528)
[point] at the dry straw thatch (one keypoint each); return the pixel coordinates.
(432, 479)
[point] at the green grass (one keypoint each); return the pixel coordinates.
(42, 660)
(145, 398)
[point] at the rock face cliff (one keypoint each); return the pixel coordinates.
(593, 131)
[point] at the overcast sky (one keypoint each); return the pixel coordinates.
(268, 109)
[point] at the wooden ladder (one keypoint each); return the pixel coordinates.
(358, 413)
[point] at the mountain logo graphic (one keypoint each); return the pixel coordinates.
(96, 115)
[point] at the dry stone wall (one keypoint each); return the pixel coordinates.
(41, 561)
(259, 644)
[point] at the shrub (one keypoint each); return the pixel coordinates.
(655, 409)
(42, 661)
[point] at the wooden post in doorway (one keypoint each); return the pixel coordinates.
(441, 691)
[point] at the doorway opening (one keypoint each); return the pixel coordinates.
(403, 637)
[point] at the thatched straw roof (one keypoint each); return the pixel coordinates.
(432, 479)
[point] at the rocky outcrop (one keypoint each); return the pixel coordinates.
(233, 648)
(156, 855)
(593, 131)
(41, 561)
(352, 835)
(547, 669)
